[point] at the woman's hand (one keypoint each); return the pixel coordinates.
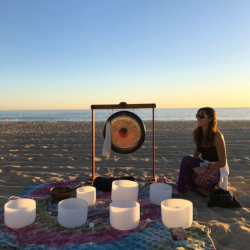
(200, 170)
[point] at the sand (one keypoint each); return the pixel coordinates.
(34, 152)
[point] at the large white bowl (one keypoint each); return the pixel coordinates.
(124, 190)
(124, 214)
(72, 212)
(19, 213)
(87, 193)
(160, 192)
(177, 213)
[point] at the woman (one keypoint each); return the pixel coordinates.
(208, 167)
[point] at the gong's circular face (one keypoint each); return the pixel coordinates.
(123, 132)
(127, 132)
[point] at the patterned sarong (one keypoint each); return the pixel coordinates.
(201, 183)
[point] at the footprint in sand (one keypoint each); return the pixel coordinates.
(35, 179)
(236, 160)
(127, 168)
(75, 158)
(247, 181)
(29, 146)
(57, 155)
(34, 159)
(133, 158)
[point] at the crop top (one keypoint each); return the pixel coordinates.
(209, 154)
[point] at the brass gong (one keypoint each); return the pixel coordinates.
(127, 132)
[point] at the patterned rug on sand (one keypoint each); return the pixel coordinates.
(47, 233)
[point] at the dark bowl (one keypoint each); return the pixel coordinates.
(58, 193)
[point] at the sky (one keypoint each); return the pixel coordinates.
(174, 53)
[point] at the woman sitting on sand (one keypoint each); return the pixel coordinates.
(208, 167)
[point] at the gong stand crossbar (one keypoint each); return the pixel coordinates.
(122, 105)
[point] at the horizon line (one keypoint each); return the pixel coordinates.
(97, 109)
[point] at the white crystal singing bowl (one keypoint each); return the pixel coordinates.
(124, 214)
(19, 213)
(72, 212)
(177, 213)
(124, 190)
(87, 193)
(159, 192)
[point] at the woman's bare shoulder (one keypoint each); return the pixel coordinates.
(218, 136)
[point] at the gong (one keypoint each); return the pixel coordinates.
(127, 132)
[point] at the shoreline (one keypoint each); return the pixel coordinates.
(86, 127)
(35, 152)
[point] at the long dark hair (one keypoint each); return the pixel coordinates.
(211, 130)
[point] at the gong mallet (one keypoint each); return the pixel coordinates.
(94, 223)
(145, 224)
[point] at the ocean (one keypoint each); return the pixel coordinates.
(102, 115)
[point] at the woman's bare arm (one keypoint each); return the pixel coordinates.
(219, 143)
(196, 153)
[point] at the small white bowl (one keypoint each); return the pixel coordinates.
(177, 213)
(19, 213)
(124, 214)
(72, 212)
(160, 192)
(124, 190)
(87, 193)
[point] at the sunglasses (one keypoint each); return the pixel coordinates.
(202, 116)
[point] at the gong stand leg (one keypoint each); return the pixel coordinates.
(153, 138)
(90, 181)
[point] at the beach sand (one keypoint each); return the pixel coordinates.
(34, 152)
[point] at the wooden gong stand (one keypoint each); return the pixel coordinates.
(122, 105)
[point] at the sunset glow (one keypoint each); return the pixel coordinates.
(72, 54)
